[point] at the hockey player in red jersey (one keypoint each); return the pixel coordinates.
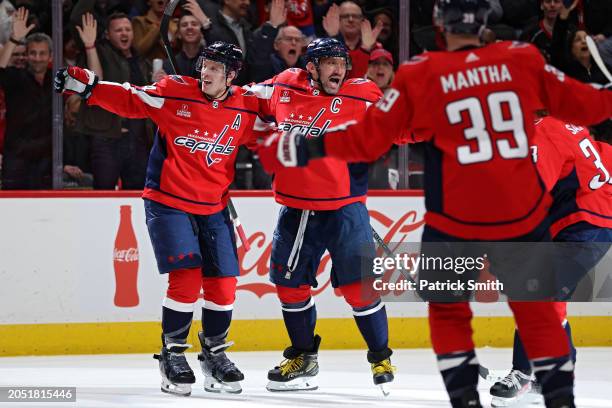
(191, 165)
(573, 168)
(323, 208)
(475, 107)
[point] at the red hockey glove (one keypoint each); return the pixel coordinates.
(75, 80)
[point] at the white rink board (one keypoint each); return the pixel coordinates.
(56, 261)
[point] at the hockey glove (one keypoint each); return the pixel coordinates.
(75, 80)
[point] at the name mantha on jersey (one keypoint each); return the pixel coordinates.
(213, 144)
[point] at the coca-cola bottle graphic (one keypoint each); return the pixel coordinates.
(125, 261)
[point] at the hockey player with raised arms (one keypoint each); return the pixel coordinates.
(576, 169)
(474, 107)
(191, 165)
(323, 208)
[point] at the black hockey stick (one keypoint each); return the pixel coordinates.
(383, 245)
(163, 32)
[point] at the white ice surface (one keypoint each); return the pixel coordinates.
(344, 381)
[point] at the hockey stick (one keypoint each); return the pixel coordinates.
(383, 245)
(597, 57)
(163, 32)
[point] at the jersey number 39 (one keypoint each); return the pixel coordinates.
(483, 152)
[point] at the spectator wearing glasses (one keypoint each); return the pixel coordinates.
(347, 24)
(272, 58)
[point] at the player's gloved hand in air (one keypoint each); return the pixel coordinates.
(75, 80)
(289, 149)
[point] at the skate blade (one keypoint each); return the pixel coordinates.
(298, 384)
(183, 390)
(520, 399)
(211, 384)
(385, 388)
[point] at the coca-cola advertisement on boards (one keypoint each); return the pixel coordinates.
(255, 263)
(395, 226)
(125, 261)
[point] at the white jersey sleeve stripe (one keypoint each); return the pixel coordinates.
(261, 91)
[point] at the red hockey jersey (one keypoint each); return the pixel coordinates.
(572, 168)
(191, 164)
(290, 101)
(475, 107)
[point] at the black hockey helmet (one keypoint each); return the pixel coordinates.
(462, 16)
(326, 48)
(227, 54)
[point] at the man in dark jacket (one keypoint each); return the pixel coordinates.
(229, 25)
(119, 146)
(28, 144)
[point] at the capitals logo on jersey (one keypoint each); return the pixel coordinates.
(305, 125)
(210, 146)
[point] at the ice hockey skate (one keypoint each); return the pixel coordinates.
(510, 389)
(177, 376)
(382, 370)
(220, 373)
(297, 372)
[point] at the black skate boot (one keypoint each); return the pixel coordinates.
(297, 372)
(510, 389)
(469, 399)
(220, 374)
(561, 402)
(382, 370)
(177, 376)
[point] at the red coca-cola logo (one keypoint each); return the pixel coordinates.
(254, 265)
(125, 255)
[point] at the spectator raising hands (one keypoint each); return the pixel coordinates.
(194, 8)
(564, 12)
(88, 33)
(20, 30)
(369, 34)
(331, 21)
(20, 24)
(347, 24)
(88, 30)
(278, 13)
(27, 148)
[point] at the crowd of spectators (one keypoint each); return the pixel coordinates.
(120, 41)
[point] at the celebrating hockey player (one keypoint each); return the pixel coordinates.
(574, 169)
(474, 106)
(323, 208)
(191, 165)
